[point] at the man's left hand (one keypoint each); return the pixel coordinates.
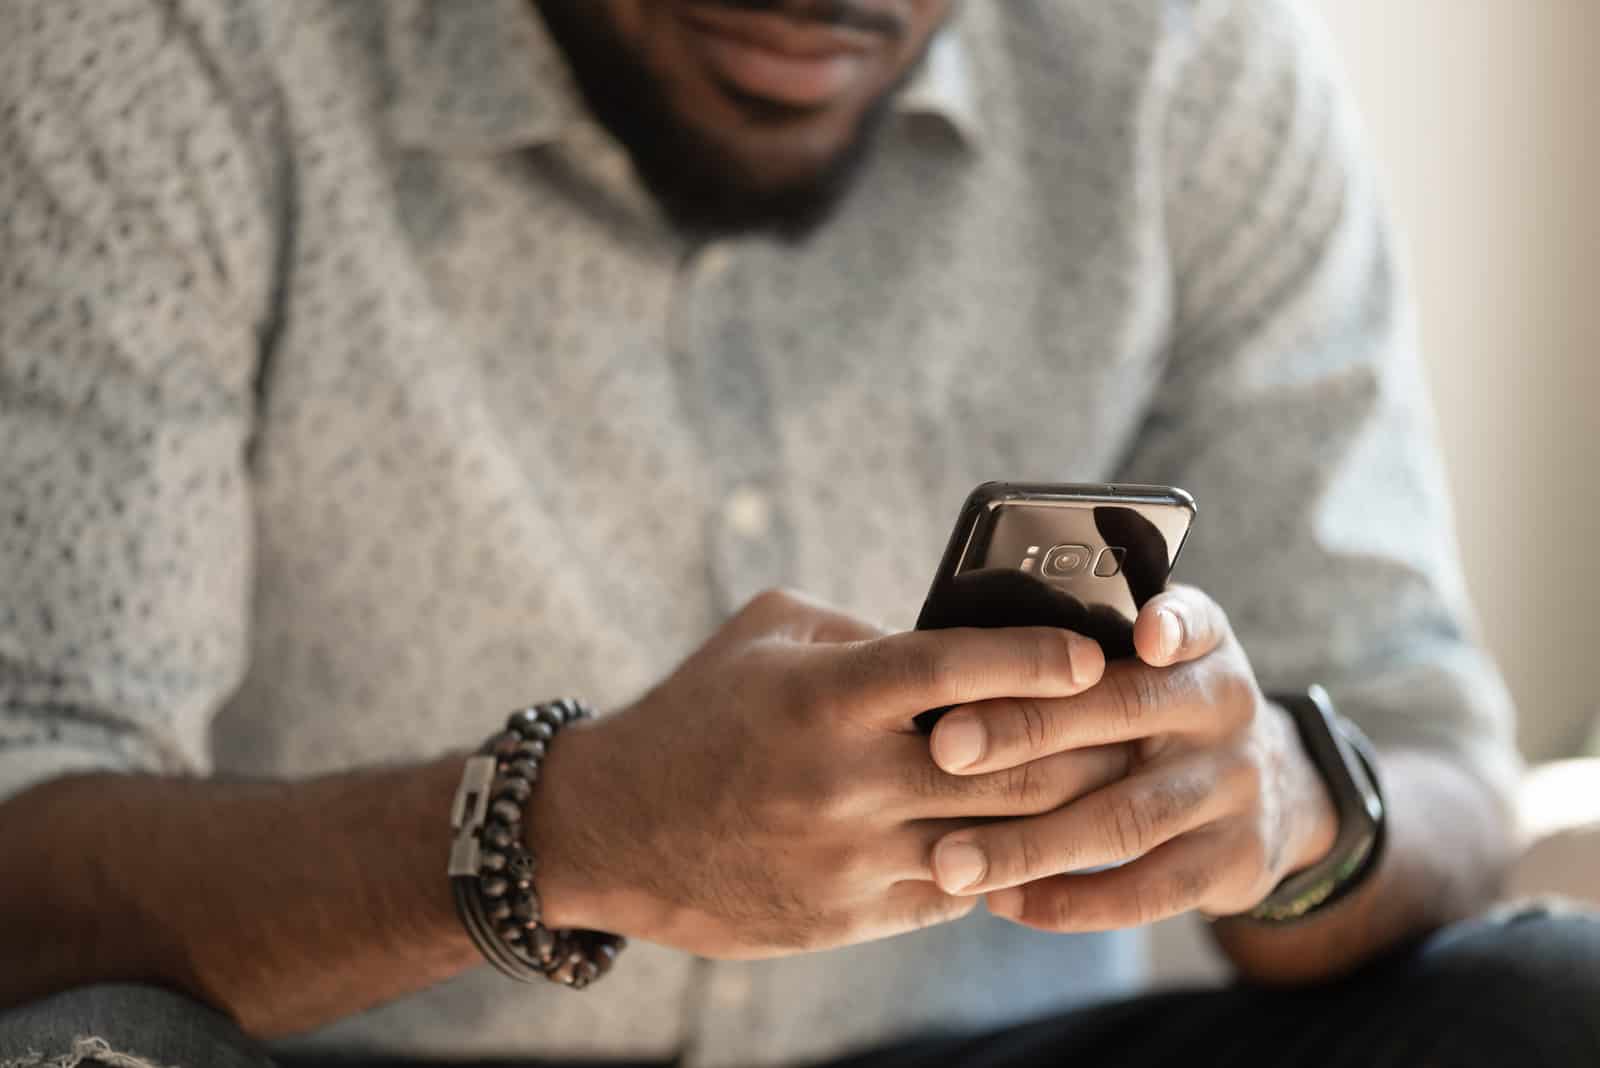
(1219, 803)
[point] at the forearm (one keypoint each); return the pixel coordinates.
(1449, 845)
(285, 905)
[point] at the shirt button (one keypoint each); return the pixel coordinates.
(730, 987)
(748, 512)
(714, 261)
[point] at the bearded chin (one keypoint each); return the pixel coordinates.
(702, 186)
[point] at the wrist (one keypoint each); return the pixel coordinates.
(569, 824)
(1313, 812)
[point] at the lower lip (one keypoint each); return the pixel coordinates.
(798, 81)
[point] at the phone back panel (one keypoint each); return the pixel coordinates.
(1082, 557)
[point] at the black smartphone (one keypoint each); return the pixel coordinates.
(1082, 557)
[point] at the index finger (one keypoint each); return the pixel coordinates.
(901, 675)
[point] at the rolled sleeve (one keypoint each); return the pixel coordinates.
(135, 255)
(1293, 406)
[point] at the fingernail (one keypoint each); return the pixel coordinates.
(957, 865)
(1006, 903)
(1170, 629)
(1088, 660)
(959, 741)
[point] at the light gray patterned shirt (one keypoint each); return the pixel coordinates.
(352, 392)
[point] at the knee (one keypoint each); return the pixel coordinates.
(126, 1024)
(1523, 983)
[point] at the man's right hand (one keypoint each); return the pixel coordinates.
(772, 796)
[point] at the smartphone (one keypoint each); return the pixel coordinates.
(1082, 557)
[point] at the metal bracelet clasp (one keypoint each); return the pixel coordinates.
(468, 812)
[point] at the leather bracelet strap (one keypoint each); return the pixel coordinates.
(491, 867)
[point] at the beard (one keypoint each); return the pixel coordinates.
(701, 186)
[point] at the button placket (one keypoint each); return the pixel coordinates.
(729, 400)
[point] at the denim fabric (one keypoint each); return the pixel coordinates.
(1519, 989)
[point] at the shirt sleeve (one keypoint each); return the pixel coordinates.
(135, 276)
(1293, 406)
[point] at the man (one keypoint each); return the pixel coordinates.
(370, 371)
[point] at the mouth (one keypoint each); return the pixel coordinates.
(779, 59)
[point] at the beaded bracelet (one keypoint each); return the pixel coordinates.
(491, 867)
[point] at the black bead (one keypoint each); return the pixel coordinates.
(494, 885)
(554, 715)
(509, 931)
(524, 769)
(504, 744)
(499, 912)
(525, 910)
(514, 789)
(492, 861)
(498, 836)
(541, 731)
(542, 941)
(584, 973)
(522, 719)
(520, 865)
(530, 749)
(508, 812)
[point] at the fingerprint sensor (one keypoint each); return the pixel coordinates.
(1109, 562)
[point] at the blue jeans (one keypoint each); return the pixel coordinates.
(1513, 991)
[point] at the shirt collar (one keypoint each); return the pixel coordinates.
(475, 76)
(484, 76)
(943, 87)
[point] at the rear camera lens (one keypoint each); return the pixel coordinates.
(1063, 561)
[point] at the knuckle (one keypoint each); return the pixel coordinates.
(1178, 892)
(942, 909)
(1062, 913)
(1134, 697)
(1244, 778)
(876, 665)
(925, 780)
(917, 666)
(1190, 886)
(1024, 786)
(1016, 857)
(1031, 724)
(1033, 659)
(827, 931)
(827, 800)
(806, 797)
(1043, 662)
(804, 698)
(1149, 900)
(774, 600)
(854, 864)
(1031, 854)
(1162, 807)
(1253, 857)
(1235, 693)
(1126, 829)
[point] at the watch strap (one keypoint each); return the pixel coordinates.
(1345, 759)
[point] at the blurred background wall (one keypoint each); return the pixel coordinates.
(1482, 115)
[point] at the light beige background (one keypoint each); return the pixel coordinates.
(1485, 118)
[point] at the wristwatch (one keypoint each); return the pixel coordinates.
(1344, 757)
